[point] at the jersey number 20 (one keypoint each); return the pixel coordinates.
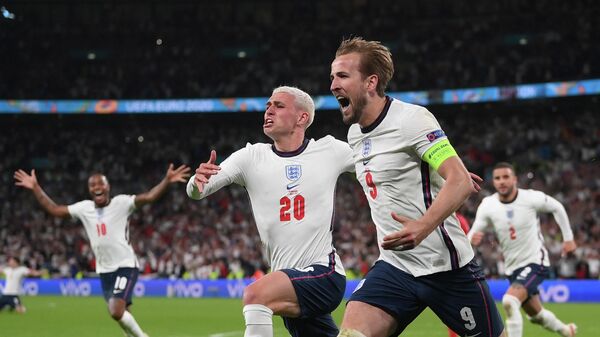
(286, 205)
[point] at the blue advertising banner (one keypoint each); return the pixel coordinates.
(558, 291)
(325, 102)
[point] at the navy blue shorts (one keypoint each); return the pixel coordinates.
(119, 283)
(460, 298)
(530, 276)
(12, 301)
(319, 290)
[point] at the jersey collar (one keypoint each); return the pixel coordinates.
(380, 118)
(291, 153)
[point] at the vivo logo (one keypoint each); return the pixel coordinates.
(557, 293)
(181, 289)
(235, 290)
(72, 288)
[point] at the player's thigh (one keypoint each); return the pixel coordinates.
(369, 320)
(316, 326)
(319, 289)
(462, 300)
(389, 296)
(529, 277)
(274, 290)
(119, 284)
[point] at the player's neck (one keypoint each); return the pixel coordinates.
(372, 110)
(507, 199)
(290, 143)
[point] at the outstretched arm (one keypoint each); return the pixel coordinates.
(30, 182)
(562, 219)
(172, 176)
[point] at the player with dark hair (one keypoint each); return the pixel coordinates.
(514, 214)
(106, 222)
(15, 273)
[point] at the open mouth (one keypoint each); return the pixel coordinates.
(268, 122)
(343, 101)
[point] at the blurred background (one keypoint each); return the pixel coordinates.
(110, 52)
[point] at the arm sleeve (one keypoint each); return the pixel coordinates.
(428, 139)
(75, 209)
(546, 203)
(232, 171)
(345, 156)
(480, 222)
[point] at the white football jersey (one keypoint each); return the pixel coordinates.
(517, 226)
(108, 231)
(14, 278)
(395, 179)
(292, 196)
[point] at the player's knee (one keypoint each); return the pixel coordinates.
(116, 313)
(344, 332)
(251, 295)
(511, 305)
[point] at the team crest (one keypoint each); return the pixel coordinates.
(366, 150)
(293, 173)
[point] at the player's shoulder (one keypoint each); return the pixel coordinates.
(121, 199)
(83, 204)
(255, 148)
(490, 199)
(329, 140)
(532, 195)
(401, 109)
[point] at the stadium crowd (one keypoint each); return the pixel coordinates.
(166, 49)
(555, 147)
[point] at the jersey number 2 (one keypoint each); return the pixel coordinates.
(286, 205)
(513, 232)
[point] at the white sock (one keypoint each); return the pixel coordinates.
(130, 326)
(548, 320)
(259, 320)
(514, 320)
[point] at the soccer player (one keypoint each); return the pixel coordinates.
(291, 185)
(15, 273)
(514, 214)
(414, 182)
(106, 222)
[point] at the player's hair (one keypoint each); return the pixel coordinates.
(98, 173)
(302, 100)
(375, 59)
(507, 165)
(15, 258)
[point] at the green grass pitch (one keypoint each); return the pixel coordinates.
(179, 317)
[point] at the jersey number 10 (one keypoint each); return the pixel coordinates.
(101, 228)
(286, 205)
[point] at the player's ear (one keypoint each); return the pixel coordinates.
(372, 81)
(303, 118)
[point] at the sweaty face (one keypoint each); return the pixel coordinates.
(505, 181)
(281, 116)
(99, 189)
(349, 87)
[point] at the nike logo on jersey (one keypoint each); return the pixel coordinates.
(292, 185)
(117, 291)
(365, 162)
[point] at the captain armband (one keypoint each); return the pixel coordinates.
(438, 153)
